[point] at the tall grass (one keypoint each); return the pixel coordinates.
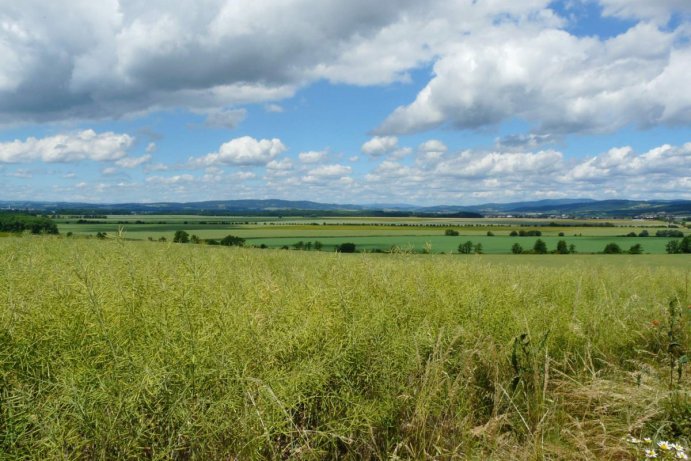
(121, 350)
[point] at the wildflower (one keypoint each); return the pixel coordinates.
(664, 445)
(650, 454)
(682, 455)
(632, 439)
(676, 447)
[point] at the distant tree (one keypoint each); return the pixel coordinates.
(572, 248)
(516, 249)
(346, 248)
(490, 234)
(211, 242)
(318, 245)
(631, 234)
(451, 232)
(685, 245)
(540, 247)
(195, 239)
(478, 248)
(101, 235)
(181, 237)
(299, 245)
(231, 240)
(612, 248)
(513, 233)
(562, 248)
(308, 246)
(636, 249)
(162, 239)
(561, 234)
(465, 248)
(669, 233)
(644, 233)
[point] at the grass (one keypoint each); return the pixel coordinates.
(126, 350)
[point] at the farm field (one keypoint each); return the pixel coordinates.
(140, 350)
(381, 234)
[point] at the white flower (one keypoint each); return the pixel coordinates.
(650, 454)
(664, 445)
(633, 440)
(682, 455)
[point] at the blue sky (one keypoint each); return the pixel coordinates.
(396, 101)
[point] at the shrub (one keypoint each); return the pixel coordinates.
(540, 247)
(346, 248)
(612, 248)
(451, 232)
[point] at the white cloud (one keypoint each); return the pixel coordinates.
(225, 118)
(133, 162)
(170, 180)
(151, 148)
(560, 82)
(380, 145)
(282, 165)
(312, 156)
(66, 148)
(273, 108)
(330, 171)
(245, 151)
(658, 10)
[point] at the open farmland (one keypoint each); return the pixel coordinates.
(138, 350)
(381, 234)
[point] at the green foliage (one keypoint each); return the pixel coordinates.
(465, 247)
(11, 222)
(346, 248)
(612, 248)
(181, 236)
(231, 240)
(451, 232)
(679, 246)
(562, 247)
(516, 249)
(636, 249)
(540, 247)
(669, 233)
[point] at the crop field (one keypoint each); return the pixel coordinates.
(117, 349)
(380, 234)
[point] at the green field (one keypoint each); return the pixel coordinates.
(112, 349)
(380, 234)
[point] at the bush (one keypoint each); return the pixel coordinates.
(612, 248)
(181, 237)
(451, 232)
(465, 248)
(540, 247)
(346, 248)
(231, 240)
(636, 249)
(516, 249)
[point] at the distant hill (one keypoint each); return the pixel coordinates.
(275, 207)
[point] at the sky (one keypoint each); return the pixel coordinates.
(423, 102)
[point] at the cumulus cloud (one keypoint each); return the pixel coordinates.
(659, 10)
(312, 156)
(66, 148)
(245, 151)
(560, 82)
(380, 145)
(113, 57)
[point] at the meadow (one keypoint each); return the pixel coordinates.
(381, 234)
(114, 349)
